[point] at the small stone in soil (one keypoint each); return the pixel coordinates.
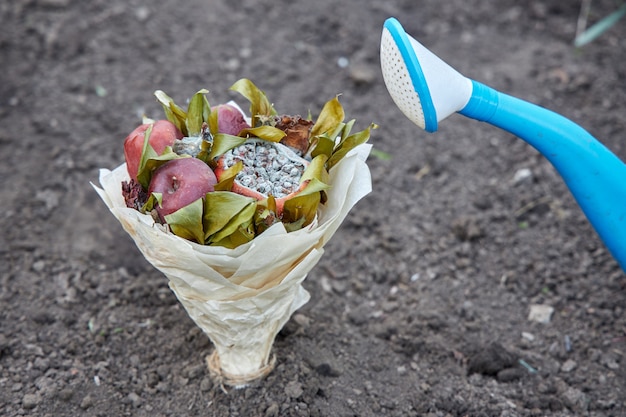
(86, 402)
(30, 401)
(490, 360)
(568, 366)
(540, 313)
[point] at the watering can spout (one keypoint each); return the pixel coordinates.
(427, 90)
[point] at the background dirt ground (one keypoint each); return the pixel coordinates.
(420, 304)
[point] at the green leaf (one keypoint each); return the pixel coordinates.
(297, 225)
(331, 115)
(239, 222)
(259, 104)
(303, 207)
(153, 200)
(350, 143)
(300, 210)
(206, 111)
(224, 211)
(187, 221)
(265, 215)
(228, 177)
(154, 161)
(315, 170)
(346, 129)
(195, 113)
(324, 146)
(213, 123)
(173, 112)
(382, 155)
(147, 152)
(223, 142)
(600, 27)
(244, 234)
(264, 132)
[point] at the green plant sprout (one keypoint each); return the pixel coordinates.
(585, 36)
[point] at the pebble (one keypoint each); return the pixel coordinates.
(86, 402)
(302, 320)
(568, 366)
(522, 175)
(294, 389)
(134, 399)
(466, 229)
(540, 313)
(610, 362)
(574, 399)
(490, 360)
(510, 374)
(272, 410)
(195, 371)
(66, 394)
(324, 364)
(362, 74)
(142, 13)
(206, 384)
(30, 401)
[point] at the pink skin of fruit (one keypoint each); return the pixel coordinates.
(181, 182)
(229, 119)
(164, 133)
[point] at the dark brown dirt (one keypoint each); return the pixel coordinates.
(419, 306)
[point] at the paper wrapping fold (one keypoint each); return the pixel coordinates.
(242, 297)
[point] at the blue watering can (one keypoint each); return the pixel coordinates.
(427, 90)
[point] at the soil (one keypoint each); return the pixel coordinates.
(420, 305)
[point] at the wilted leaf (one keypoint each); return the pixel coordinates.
(223, 142)
(264, 132)
(346, 129)
(265, 215)
(196, 113)
(331, 115)
(302, 208)
(350, 143)
(213, 123)
(187, 221)
(315, 170)
(259, 104)
(173, 112)
(228, 177)
(153, 200)
(224, 212)
(243, 234)
(147, 167)
(206, 111)
(147, 152)
(324, 146)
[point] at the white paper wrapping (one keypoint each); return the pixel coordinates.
(242, 297)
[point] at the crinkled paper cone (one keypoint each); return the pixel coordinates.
(242, 297)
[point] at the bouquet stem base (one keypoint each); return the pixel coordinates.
(237, 381)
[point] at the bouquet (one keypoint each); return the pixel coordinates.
(236, 210)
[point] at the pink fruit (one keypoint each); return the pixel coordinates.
(181, 181)
(229, 119)
(164, 133)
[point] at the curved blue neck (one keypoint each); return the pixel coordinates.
(595, 176)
